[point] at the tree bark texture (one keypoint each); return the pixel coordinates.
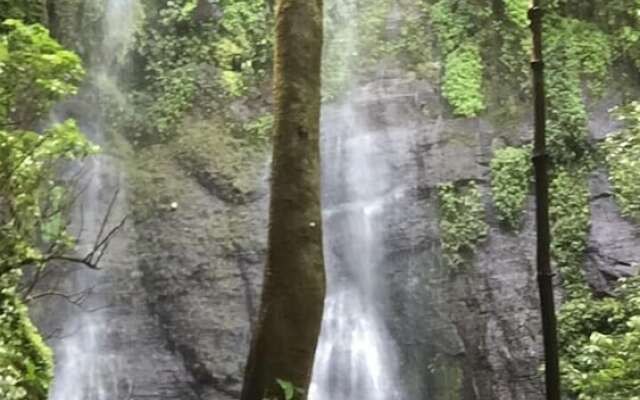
(288, 325)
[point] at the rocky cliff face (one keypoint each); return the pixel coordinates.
(461, 335)
(186, 280)
(201, 269)
(471, 334)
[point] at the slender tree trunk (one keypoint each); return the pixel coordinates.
(288, 325)
(541, 164)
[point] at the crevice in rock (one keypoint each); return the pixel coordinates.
(202, 376)
(600, 196)
(163, 324)
(220, 187)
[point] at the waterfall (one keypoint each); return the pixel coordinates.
(87, 366)
(356, 355)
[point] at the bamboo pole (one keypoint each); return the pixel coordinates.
(541, 166)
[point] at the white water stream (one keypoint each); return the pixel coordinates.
(356, 355)
(356, 358)
(87, 368)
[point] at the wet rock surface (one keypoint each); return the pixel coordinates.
(201, 268)
(469, 335)
(614, 242)
(477, 329)
(186, 287)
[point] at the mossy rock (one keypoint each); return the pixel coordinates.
(226, 166)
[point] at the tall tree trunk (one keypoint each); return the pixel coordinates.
(541, 167)
(288, 326)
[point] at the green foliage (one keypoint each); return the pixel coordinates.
(462, 223)
(28, 162)
(171, 48)
(576, 50)
(456, 25)
(288, 391)
(618, 18)
(244, 48)
(510, 44)
(26, 10)
(511, 176)
(462, 85)
(622, 152)
(26, 365)
(35, 72)
(570, 218)
(457, 22)
(182, 53)
(33, 66)
(599, 342)
(339, 53)
(259, 131)
(582, 47)
(583, 40)
(517, 12)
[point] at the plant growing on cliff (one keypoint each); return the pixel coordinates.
(191, 58)
(599, 341)
(576, 50)
(462, 224)
(456, 27)
(570, 218)
(510, 183)
(26, 10)
(462, 82)
(259, 131)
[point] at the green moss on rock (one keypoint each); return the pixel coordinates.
(228, 166)
(446, 379)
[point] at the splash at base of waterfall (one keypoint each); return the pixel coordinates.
(351, 359)
(356, 356)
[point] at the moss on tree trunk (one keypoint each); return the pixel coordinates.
(288, 326)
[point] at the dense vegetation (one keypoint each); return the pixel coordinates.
(462, 223)
(179, 53)
(35, 72)
(585, 44)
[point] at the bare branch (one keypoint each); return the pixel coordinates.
(77, 299)
(105, 220)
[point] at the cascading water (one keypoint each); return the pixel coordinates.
(87, 368)
(356, 356)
